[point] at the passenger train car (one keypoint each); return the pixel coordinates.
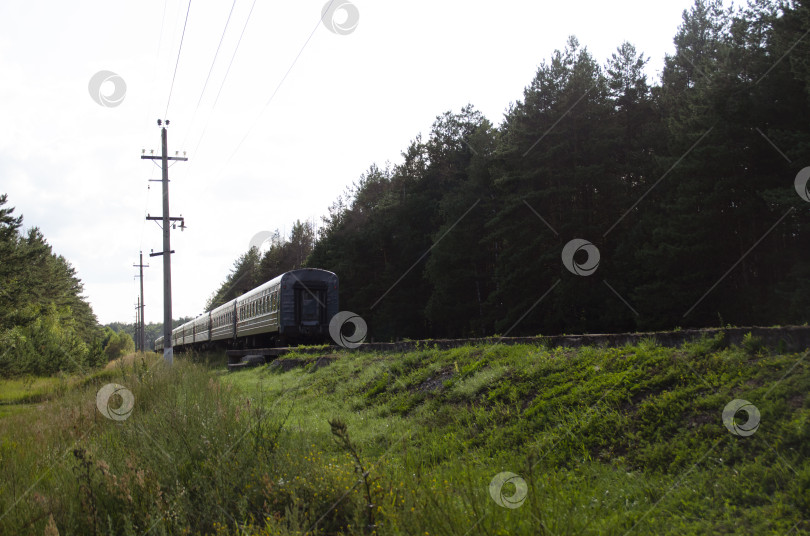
(292, 308)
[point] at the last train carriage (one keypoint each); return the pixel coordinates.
(295, 307)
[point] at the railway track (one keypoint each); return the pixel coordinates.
(784, 338)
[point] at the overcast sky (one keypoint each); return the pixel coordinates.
(354, 97)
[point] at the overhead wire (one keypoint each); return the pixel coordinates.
(224, 79)
(154, 77)
(211, 69)
(278, 87)
(227, 72)
(179, 50)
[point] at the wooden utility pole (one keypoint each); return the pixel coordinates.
(141, 340)
(137, 323)
(168, 351)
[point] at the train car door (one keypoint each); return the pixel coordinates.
(310, 305)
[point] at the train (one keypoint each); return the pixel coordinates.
(293, 308)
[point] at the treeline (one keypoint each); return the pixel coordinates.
(153, 331)
(46, 325)
(117, 343)
(276, 256)
(684, 186)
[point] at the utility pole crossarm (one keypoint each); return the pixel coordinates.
(183, 158)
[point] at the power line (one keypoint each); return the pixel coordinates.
(146, 208)
(222, 38)
(179, 50)
(258, 117)
(154, 78)
(210, 70)
(227, 71)
(162, 23)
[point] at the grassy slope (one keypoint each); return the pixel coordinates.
(609, 441)
(605, 438)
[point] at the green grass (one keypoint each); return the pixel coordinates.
(608, 441)
(24, 390)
